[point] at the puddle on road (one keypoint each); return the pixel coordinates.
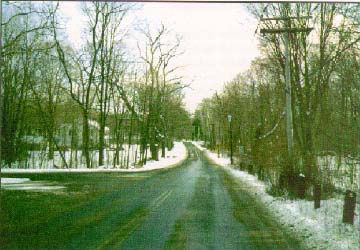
(26, 184)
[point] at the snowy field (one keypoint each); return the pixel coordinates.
(321, 229)
(173, 157)
(345, 173)
(129, 155)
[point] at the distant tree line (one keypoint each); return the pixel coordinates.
(48, 85)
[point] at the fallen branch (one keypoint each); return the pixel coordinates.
(274, 128)
(355, 160)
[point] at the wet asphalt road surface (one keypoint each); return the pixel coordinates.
(194, 206)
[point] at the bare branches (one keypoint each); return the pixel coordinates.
(92, 77)
(21, 14)
(274, 128)
(11, 35)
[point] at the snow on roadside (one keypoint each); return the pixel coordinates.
(320, 229)
(173, 157)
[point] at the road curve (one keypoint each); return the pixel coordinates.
(195, 206)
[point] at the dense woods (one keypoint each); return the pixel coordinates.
(89, 106)
(325, 94)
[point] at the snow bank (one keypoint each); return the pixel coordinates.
(321, 228)
(173, 157)
(221, 160)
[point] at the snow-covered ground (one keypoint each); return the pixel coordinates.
(321, 228)
(75, 159)
(345, 173)
(173, 157)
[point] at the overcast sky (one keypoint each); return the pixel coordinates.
(217, 39)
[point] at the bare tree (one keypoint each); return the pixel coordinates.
(23, 27)
(158, 53)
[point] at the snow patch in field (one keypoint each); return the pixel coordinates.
(345, 172)
(13, 180)
(321, 229)
(27, 185)
(32, 187)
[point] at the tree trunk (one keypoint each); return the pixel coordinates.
(101, 143)
(349, 207)
(154, 151)
(317, 195)
(51, 146)
(163, 149)
(85, 139)
(51, 137)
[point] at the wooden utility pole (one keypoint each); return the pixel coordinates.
(288, 110)
(286, 30)
(1, 82)
(230, 139)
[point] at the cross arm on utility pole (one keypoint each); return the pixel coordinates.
(284, 18)
(285, 30)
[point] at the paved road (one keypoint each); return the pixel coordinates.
(195, 206)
